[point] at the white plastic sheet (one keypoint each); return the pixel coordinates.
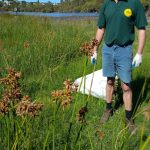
(93, 84)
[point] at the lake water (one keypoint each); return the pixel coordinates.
(55, 14)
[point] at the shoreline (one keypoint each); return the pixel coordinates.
(69, 16)
(76, 18)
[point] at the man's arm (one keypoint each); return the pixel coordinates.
(141, 40)
(137, 60)
(99, 37)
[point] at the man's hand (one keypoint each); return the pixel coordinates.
(137, 60)
(141, 42)
(94, 58)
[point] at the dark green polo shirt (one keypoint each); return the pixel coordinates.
(119, 20)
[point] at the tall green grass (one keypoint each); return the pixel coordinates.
(51, 56)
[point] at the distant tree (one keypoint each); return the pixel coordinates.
(49, 2)
(24, 2)
(1, 4)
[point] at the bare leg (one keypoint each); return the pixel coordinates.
(109, 92)
(127, 96)
(109, 89)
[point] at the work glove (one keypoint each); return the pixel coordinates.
(137, 60)
(94, 58)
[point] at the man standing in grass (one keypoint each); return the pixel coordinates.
(117, 19)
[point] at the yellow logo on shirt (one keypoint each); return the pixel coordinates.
(128, 12)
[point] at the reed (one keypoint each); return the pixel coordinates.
(47, 52)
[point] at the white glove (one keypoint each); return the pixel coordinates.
(94, 58)
(137, 60)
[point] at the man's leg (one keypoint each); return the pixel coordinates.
(109, 89)
(127, 98)
(109, 94)
(109, 71)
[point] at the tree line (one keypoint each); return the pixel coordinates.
(63, 6)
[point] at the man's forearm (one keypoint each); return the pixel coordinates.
(141, 40)
(99, 36)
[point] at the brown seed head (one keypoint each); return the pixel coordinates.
(147, 113)
(81, 114)
(3, 107)
(87, 48)
(26, 107)
(26, 44)
(100, 134)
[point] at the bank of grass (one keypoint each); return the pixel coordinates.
(46, 51)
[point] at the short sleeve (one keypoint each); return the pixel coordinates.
(140, 18)
(101, 20)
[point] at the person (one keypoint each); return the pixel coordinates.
(116, 23)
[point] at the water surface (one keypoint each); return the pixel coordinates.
(55, 14)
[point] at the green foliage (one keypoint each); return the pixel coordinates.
(28, 7)
(46, 51)
(80, 6)
(85, 5)
(63, 6)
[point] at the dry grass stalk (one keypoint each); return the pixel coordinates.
(87, 48)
